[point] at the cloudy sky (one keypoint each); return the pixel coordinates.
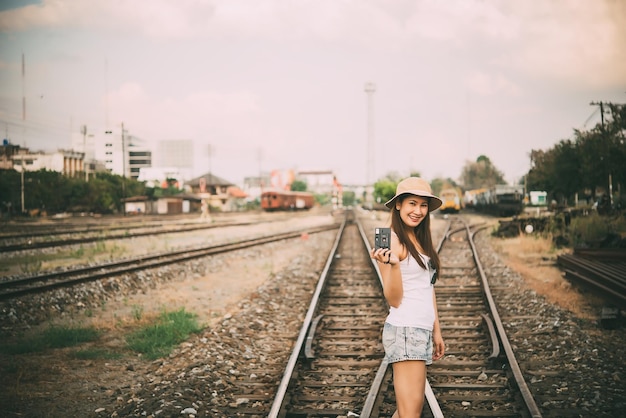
(279, 84)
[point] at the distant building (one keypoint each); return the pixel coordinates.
(218, 193)
(159, 176)
(166, 205)
(318, 181)
(138, 157)
(173, 159)
(7, 151)
(175, 153)
(67, 162)
(254, 186)
(122, 154)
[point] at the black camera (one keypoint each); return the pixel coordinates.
(382, 238)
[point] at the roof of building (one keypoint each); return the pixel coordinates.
(235, 191)
(211, 180)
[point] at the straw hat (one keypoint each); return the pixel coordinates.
(418, 187)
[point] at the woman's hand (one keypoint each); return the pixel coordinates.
(384, 256)
(439, 347)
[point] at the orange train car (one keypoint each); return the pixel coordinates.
(274, 200)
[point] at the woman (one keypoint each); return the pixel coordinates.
(411, 335)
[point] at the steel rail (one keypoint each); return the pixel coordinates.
(96, 272)
(372, 396)
(84, 240)
(281, 392)
(529, 400)
(609, 279)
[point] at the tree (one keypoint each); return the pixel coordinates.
(51, 191)
(298, 186)
(348, 198)
(481, 173)
(439, 184)
(385, 188)
(585, 164)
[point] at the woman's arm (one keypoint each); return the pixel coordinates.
(392, 283)
(439, 347)
(389, 265)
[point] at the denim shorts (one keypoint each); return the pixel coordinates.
(407, 343)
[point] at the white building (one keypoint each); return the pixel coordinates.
(157, 176)
(122, 154)
(175, 153)
(69, 163)
(318, 181)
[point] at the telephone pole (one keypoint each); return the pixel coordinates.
(24, 128)
(123, 170)
(83, 130)
(607, 165)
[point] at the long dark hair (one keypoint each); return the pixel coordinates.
(422, 233)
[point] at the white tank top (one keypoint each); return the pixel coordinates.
(416, 308)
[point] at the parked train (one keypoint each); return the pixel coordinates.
(500, 200)
(452, 202)
(272, 200)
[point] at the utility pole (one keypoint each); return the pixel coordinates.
(24, 123)
(83, 130)
(123, 170)
(607, 165)
(370, 88)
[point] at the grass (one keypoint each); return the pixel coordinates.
(30, 264)
(154, 340)
(53, 337)
(535, 244)
(592, 229)
(137, 312)
(159, 339)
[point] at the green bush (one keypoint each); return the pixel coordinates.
(591, 230)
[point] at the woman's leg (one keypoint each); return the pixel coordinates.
(409, 382)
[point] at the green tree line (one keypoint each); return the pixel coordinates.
(593, 163)
(50, 192)
(590, 165)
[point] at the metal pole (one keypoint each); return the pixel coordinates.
(370, 88)
(604, 140)
(123, 171)
(83, 130)
(24, 123)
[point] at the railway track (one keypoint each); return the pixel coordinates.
(479, 375)
(51, 280)
(338, 350)
(33, 237)
(337, 366)
(602, 270)
(343, 351)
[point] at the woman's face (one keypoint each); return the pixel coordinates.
(413, 210)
